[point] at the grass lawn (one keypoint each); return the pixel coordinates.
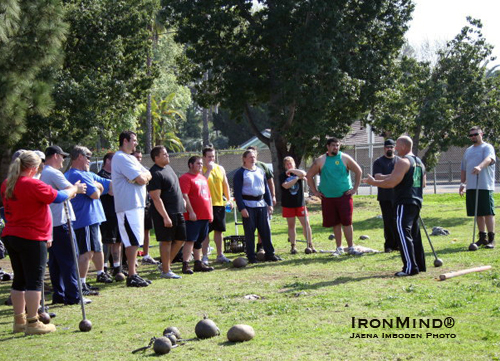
(307, 303)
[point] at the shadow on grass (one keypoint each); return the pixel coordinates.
(300, 286)
(377, 223)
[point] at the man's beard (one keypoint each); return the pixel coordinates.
(389, 153)
(334, 152)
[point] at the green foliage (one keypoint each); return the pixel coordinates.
(437, 104)
(104, 76)
(315, 65)
(31, 37)
(165, 118)
(237, 130)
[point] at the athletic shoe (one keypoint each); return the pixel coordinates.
(222, 259)
(136, 281)
(186, 269)
(170, 275)
(204, 260)
(200, 267)
(259, 247)
(338, 252)
(104, 278)
(93, 288)
(149, 260)
(86, 291)
(401, 274)
(352, 251)
(293, 250)
(273, 258)
(209, 250)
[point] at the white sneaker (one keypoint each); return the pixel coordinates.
(170, 275)
(338, 251)
(149, 260)
(352, 251)
(204, 260)
(222, 259)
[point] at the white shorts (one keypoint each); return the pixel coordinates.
(131, 226)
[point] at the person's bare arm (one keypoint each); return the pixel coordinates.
(98, 192)
(143, 178)
(400, 169)
(463, 177)
(313, 171)
(160, 207)
(189, 208)
(353, 166)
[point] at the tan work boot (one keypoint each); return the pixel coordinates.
(35, 327)
(19, 323)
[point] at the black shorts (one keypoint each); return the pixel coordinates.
(109, 231)
(88, 239)
(219, 222)
(148, 220)
(175, 233)
(485, 202)
(28, 259)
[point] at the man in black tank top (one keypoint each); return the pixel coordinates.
(408, 180)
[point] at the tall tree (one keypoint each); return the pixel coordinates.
(437, 103)
(315, 64)
(31, 36)
(104, 75)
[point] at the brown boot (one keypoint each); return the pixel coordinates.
(19, 323)
(35, 327)
(186, 269)
(201, 267)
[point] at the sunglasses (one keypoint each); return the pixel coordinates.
(473, 135)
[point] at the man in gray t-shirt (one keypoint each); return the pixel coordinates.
(62, 265)
(129, 187)
(478, 173)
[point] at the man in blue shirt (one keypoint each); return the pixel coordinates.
(89, 215)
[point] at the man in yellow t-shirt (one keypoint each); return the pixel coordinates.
(219, 188)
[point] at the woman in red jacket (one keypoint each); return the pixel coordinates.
(27, 234)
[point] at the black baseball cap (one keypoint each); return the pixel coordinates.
(389, 143)
(55, 149)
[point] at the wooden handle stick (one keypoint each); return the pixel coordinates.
(463, 272)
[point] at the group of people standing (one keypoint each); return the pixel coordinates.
(184, 210)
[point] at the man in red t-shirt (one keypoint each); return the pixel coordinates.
(199, 214)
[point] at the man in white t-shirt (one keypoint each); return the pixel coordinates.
(478, 172)
(129, 187)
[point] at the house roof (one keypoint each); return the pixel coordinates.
(255, 142)
(359, 135)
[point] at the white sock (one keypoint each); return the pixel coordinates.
(146, 256)
(84, 279)
(99, 272)
(116, 264)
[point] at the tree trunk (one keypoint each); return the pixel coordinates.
(149, 126)
(205, 133)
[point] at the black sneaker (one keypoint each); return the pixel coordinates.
(86, 291)
(93, 288)
(273, 258)
(136, 281)
(104, 278)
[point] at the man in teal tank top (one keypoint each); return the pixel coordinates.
(335, 191)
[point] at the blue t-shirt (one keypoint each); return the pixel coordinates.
(88, 211)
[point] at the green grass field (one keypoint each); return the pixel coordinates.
(306, 307)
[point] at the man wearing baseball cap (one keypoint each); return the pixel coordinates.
(62, 266)
(383, 166)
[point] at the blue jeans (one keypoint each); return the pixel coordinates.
(62, 267)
